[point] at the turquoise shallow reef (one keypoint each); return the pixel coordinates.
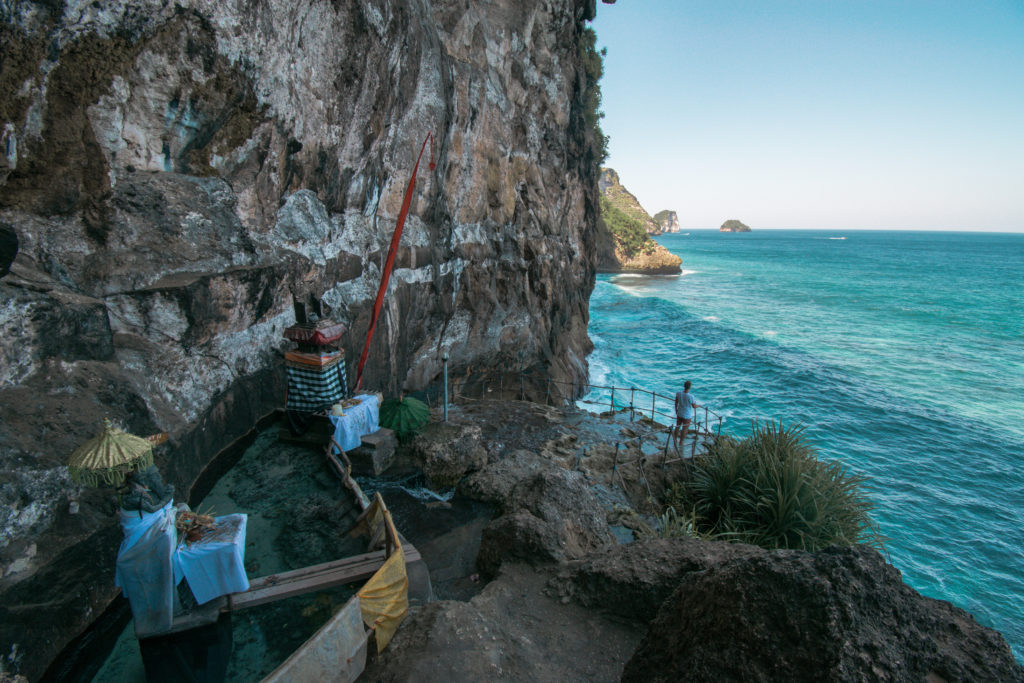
(902, 353)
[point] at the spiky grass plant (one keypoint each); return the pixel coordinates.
(771, 490)
(672, 525)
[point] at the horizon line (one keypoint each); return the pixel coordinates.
(964, 230)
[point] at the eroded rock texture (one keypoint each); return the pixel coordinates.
(175, 173)
(842, 614)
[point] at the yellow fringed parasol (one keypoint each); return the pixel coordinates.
(107, 458)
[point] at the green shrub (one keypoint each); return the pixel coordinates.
(771, 490)
(593, 69)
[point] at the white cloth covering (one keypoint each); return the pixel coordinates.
(215, 565)
(357, 421)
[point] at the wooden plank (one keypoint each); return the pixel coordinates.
(307, 579)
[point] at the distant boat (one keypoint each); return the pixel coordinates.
(837, 238)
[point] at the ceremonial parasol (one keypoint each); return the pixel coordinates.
(404, 415)
(107, 458)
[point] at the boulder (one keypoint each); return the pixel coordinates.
(550, 516)
(446, 452)
(495, 482)
(842, 614)
(632, 581)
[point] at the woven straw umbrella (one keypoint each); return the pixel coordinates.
(109, 457)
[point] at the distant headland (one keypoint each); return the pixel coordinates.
(624, 243)
(733, 225)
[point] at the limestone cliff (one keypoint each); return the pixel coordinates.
(612, 188)
(624, 243)
(175, 174)
(667, 221)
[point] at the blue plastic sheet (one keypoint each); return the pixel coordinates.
(145, 567)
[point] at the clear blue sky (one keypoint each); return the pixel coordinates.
(818, 114)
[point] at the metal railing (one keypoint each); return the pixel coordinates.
(527, 386)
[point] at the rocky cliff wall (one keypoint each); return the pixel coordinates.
(176, 173)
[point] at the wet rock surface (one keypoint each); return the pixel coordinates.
(842, 614)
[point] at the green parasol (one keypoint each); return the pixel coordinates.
(405, 415)
(107, 458)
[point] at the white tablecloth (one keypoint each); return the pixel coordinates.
(357, 421)
(215, 565)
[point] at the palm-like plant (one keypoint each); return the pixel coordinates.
(771, 490)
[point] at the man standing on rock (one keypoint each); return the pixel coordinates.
(685, 405)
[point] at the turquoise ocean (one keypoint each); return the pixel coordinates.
(901, 353)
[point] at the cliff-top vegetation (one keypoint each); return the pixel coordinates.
(593, 68)
(630, 236)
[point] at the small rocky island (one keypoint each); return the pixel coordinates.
(733, 225)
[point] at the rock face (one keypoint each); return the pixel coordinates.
(624, 244)
(632, 581)
(447, 452)
(733, 225)
(176, 174)
(549, 516)
(667, 221)
(836, 615)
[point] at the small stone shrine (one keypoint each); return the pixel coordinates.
(315, 370)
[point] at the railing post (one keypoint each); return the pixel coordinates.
(612, 404)
(653, 396)
(547, 391)
(445, 359)
(632, 395)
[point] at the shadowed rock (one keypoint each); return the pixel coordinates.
(8, 248)
(842, 614)
(632, 581)
(447, 452)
